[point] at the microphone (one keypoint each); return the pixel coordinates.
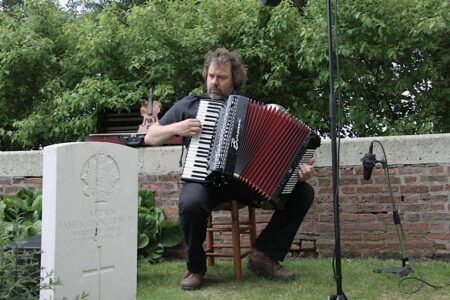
(270, 2)
(368, 162)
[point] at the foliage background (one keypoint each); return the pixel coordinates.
(59, 67)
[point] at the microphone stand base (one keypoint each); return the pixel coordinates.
(403, 271)
(337, 297)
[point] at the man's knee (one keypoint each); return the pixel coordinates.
(307, 193)
(193, 201)
(301, 198)
(190, 205)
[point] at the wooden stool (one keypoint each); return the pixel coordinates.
(236, 227)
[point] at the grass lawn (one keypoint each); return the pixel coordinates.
(314, 281)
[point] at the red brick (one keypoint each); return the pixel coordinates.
(412, 217)
(323, 191)
(169, 177)
(169, 186)
(323, 172)
(416, 207)
(171, 213)
(366, 217)
(12, 189)
(433, 178)
(437, 227)
(324, 182)
(5, 181)
(383, 180)
(364, 190)
(33, 180)
(414, 189)
(348, 180)
(347, 171)
(18, 180)
(372, 236)
(371, 208)
(153, 186)
(438, 198)
(347, 217)
(436, 216)
(348, 190)
(417, 227)
(412, 170)
(437, 188)
(410, 179)
(324, 227)
(326, 218)
(438, 236)
(437, 170)
(371, 227)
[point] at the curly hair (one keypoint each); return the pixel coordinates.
(224, 56)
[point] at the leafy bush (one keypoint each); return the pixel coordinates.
(20, 214)
(154, 232)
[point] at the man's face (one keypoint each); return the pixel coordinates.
(219, 81)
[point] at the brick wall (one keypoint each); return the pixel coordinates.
(419, 170)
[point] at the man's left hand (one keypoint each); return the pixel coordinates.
(306, 171)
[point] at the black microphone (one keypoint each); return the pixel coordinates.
(368, 161)
(270, 2)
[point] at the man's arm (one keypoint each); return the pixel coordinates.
(159, 134)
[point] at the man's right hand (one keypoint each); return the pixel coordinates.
(188, 127)
(159, 134)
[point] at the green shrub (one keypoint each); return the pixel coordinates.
(20, 218)
(20, 214)
(154, 232)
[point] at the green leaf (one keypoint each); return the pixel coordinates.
(143, 240)
(171, 235)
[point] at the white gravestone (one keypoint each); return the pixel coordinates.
(89, 220)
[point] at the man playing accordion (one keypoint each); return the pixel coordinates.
(225, 74)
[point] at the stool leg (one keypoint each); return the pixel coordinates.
(236, 240)
(252, 223)
(210, 241)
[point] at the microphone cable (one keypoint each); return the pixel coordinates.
(422, 284)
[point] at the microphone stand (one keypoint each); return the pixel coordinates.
(332, 109)
(405, 269)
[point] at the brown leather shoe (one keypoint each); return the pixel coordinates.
(191, 281)
(259, 263)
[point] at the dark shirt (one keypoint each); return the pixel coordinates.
(186, 108)
(183, 109)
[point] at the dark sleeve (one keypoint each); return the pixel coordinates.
(183, 109)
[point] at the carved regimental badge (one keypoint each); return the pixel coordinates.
(100, 177)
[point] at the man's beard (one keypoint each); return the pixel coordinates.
(217, 96)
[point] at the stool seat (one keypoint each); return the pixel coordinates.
(236, 227)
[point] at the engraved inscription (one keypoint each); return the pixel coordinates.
(97, 225)
(100, 177)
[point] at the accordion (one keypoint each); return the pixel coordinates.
(257, 145)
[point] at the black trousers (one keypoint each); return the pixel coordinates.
(198, 200)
